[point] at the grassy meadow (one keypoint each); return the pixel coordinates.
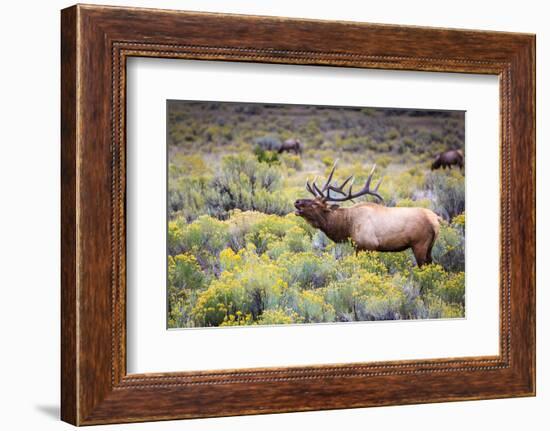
(237, 254)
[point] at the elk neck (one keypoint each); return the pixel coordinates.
(337, 225)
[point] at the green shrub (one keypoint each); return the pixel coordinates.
(187, 197)
(247, 184)
(341, 250)
(442, 292)
(184, 272)
(268, 143)
(240, 224)
(266, 156)
(204, 238)
(448, 190)
(436, 308)
(365, 296)
(308, 270)
(448, 249)
(188, 180)
(295, 240)
(206, 234)
(340, 295)
(452, 289)
(320, 241)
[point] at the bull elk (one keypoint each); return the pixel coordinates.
(447, 159)
(370, 226)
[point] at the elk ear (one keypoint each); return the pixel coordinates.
(333, 207)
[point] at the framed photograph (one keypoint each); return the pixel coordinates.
(264, 214)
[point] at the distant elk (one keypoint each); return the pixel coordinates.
(291, 145)
(369, 225)
(448, 159)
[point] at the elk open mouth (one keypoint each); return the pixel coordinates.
(298, 209)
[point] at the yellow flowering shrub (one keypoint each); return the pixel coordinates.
(250, 285)
(237, 319)
(224, 297)
(313, 308)
(278, 317)
(428, 277)
(185, 279)
(364, 260)
(229, 260)
(459, 221)
(401, 262)
(174, 237)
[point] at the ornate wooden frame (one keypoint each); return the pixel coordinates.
(95, 43)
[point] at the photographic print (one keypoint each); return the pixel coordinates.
(300, 214)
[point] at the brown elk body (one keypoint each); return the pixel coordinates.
(447, 159)
(290, 145)
(370, 226)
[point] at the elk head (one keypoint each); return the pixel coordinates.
(317, 210)
(437, 162)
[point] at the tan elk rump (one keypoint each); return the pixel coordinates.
(369, 225)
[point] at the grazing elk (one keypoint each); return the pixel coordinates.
(291, 145)
(448, 159)
(371, 226)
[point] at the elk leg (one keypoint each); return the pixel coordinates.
(423, 252)
(429, 253)
(420, 251)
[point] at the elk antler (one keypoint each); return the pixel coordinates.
(324, 192)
